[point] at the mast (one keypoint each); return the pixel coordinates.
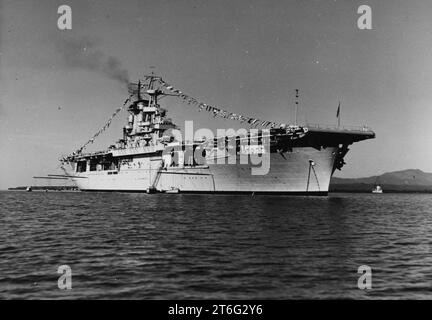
(296, 106)
(147, 120)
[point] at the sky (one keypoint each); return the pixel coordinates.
(245, 56)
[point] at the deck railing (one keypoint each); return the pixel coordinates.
(336, 127)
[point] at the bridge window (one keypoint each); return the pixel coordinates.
(81, 166)
(93, 164)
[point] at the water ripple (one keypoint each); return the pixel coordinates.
(139, 246)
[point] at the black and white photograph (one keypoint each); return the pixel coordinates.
(235, 151)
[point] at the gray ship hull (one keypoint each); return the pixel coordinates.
(289, 173)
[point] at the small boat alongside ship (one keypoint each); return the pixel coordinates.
(301, 159)
(377, 188)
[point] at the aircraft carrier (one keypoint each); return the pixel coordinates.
(284, 159)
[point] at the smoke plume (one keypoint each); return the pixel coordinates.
(84, 54)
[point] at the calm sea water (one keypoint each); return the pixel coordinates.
(141, 246)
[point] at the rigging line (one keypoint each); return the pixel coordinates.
(79, 150)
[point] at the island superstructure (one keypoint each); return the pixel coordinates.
(148, 158)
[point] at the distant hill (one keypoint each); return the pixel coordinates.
(410, 180)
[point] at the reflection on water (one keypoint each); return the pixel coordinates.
(143, 246)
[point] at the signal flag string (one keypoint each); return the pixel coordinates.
(218, 112)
